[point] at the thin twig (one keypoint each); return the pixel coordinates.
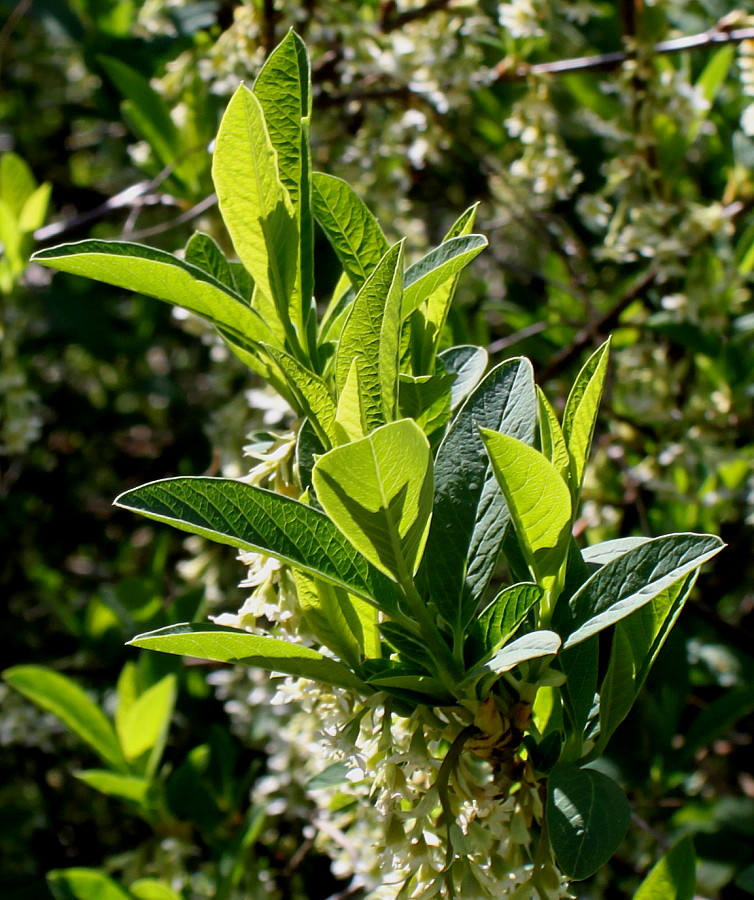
(13, 19)
(714, 37)
(392, 20)
(598, 328)
(503, 343)
(184, 217)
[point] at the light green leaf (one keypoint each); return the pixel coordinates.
(314, 400)
(501, 618)
(219, 644)
(350, 227)
(62, 697)
(426, 399)
(629, 582)
(17, 182)
(322, 606)
(255, 206)
(468, 364)
(349, 417)
(538, 500)
(528, 646)
(673, 877)
(636, 642)
(429, 321)
(252, 518)
(424, 277)
(372, 332)
(470, 515)
(84, 884)
(378, 491)
(151, 889)
(607, 551)
(125, 787)
(203, 252)
(284, 91)
(159, 274)
(587, 818)
(580, 413)
(35, 209)
(144, 725)
(551, 439)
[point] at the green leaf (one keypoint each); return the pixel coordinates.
(143, 725)
(424, 277)
(17, 182)
(62, 697)
(203, 252)
(636, 642)
(715, 720)
(159, 274)
(673, 877)
(313, 395)
(323, 607)
(125, 787)
(580, 413)
(468, 364)
(220, 644)
(587, 818)
(284, 91)
(151, 889)
(528, 646)
(252, 518)
(500, 620)
(350, 227)
(255, 206)
(349, 417)
(378, 491)
(426, 399)
(428, 323)
(551, 439)
(84, 884)
(607, 551)
(470, 515)
(538, 500)
(371, 333)
(629, 582)
(35, 209)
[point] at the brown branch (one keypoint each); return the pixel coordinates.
(10, 23)
(599, 328)
(392, 20)
(716, 36)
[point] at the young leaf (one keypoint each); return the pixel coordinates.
(426, 399)
(17, 182)
(501, 618)
(538, 500)
(62, 697)
(468, 364)
(144, 725)
(587, 818)
(674, 876)
(629, 582)
(314, 400)
(528, 646)
(429, 321)
(284, 91)
(433, 270)
(162, 275)
(252, 518)
(350, 227)
(371, 333)
(378, 491)
(219, 644)
(551, 438)
(84, 884)
(636, 642)
(125, 787)
(349, 416)
(323, 611)
(255, 205)
(203, 252)
(470, 515)
(580, 413)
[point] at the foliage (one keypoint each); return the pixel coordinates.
(361, 531)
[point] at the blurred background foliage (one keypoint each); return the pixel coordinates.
(617, 196)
